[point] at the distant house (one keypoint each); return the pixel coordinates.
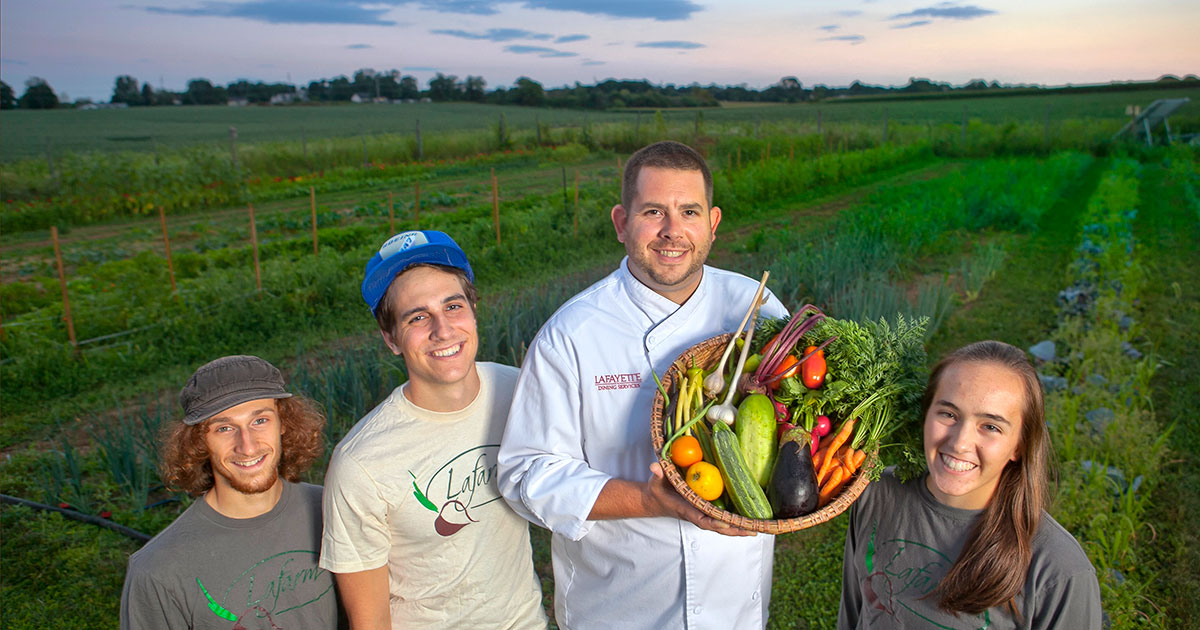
(284, 98)
(360, 98)
(103, 106)
(238, 102)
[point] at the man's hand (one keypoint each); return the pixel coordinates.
(655, 497)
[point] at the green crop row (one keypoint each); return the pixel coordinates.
(1108, 446)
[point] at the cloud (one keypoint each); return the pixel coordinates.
(946, 10)
(853, 39)
(829, 27)
(566, 39)
(15, 62)
(359, 46)
(671, 44)
(494, 34)
(591, 62)
(852, 13)
(661, 10)
(287, 11)
(914, 24)
(419, 69)
(540, 51)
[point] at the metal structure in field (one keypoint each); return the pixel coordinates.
(1143, 125)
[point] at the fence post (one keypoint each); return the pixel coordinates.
(420, 147)
(739, 157)
(791, 151)
(391, 213)
(575, 212)
(496, 205)
(312, 197)
(62, 281)
(254, 247)
(417, 202)
(366, 162)
(767, 156)
(1047, 126)
(637, 128)
(818, 122)
(233, 146)
(304, 147)
(538, 126)
(964, 126)
(885, 125)
(162, 218)
(564, 186)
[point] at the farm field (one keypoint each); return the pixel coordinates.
(981, 234)
(32, 134)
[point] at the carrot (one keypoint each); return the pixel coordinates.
(829, 489)
(835, 462)
(856, 459)
(847, 427)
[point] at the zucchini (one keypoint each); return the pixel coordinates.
(745, 493)
(755, 427)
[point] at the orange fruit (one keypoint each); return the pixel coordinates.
(705, 480)
(685, 451)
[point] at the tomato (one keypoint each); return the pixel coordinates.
(705, 480)
(812, 371)
(685, 451)
(787, 369)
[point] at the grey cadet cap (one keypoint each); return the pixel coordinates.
(228, 382)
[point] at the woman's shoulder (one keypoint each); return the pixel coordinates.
(1056, 553)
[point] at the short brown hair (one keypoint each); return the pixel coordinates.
(185, 458)
(665, 154)
(385, 313)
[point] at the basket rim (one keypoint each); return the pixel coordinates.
(835, 507)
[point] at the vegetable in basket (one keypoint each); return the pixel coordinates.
(755, 429)
(793, 489)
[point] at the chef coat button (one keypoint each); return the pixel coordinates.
(696, 610)
(754, 596)
(695, 545)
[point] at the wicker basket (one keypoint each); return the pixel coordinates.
(706, 354)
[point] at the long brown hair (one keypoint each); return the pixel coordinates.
(992, 567)
(185, 459)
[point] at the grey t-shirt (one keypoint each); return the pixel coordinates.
(902, 541)
(206, 570)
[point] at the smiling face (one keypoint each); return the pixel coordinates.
(434, 330)
(668, 231)
(972, 431)
(244, 447)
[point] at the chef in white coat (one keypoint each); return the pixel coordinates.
(576, 458)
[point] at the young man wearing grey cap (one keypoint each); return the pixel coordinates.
(244, 555)
(415, 529)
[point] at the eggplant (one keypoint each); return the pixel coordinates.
(793, 488)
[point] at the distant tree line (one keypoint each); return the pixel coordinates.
(367, 85)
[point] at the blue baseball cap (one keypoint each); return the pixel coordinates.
(404, 250)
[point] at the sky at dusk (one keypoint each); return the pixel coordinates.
(81, 46)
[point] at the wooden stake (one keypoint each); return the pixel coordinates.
(496, 206)
(739, 158)
(768, 156)
(312, 196)
(417, 203)
(162, 218)
(62, 281)
(254, 244)
(791, 152)
(391, 212)
(575, 213)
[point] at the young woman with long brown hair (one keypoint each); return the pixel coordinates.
(969, 544)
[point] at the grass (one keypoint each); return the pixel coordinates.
(1171, 322)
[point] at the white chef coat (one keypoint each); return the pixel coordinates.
(581, 416)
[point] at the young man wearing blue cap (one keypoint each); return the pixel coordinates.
(244, 555)
(415, 529)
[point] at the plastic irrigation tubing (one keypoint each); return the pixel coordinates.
(79, 516)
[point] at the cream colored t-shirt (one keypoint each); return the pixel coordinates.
(416, 490)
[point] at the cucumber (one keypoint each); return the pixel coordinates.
(747, 496)
(756, 428)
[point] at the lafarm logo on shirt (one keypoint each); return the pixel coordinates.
(631, 380)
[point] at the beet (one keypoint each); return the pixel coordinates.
(793, 488)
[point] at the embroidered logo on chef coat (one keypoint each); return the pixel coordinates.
(632, 380)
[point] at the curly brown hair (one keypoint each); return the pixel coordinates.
(185, 461)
